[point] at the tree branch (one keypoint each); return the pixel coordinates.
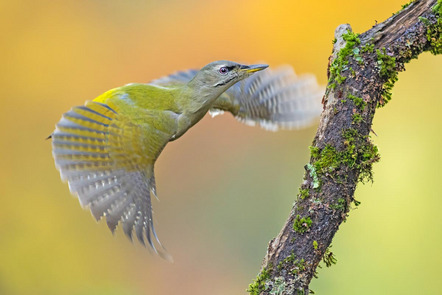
(362, 71)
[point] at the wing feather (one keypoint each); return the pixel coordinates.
(273, 99)
(104, 156)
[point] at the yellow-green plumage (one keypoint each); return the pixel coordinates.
(145, 96)
(107, 149)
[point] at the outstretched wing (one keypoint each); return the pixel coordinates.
(272, 99)
(181, 77)
(108, 162)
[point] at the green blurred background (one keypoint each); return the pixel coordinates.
(226, 189)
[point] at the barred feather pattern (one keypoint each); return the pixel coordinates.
(273, 99)
(106, 176)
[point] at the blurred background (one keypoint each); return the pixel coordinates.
(225, 188)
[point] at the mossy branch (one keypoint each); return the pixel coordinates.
(362, 71)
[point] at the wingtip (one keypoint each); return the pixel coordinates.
(111, 224)
(166, 256)
(129, 236)
(96, 213)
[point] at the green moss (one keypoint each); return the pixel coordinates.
(304, 193)
(356, 118)
(341, 205)
(299, 265)
(339, 64)
(369, 47)
(292, 265)
(434, 32)
(314, 151)
(437, 9)
(358, 101)
(327, 161)
(288, 260)
(301, 225)
(259, 284)
(407, 4)
(358, 153)
(403, 6)
(328, 258)
(425, 20)
(388, 72)
(386, 63)
(315, 245)
(361, 156)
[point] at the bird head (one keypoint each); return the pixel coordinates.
(220, 75)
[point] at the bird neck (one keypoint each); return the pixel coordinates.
(199, 96)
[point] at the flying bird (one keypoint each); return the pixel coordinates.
(106, 150)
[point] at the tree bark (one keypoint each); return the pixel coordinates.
(362, 71)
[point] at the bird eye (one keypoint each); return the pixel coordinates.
(223, 70)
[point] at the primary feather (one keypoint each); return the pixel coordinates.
(102, 155)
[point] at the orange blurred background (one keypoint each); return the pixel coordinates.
(225, 188)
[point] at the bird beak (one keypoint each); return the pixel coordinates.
(253, 68)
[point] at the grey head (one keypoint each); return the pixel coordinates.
(218, 76)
